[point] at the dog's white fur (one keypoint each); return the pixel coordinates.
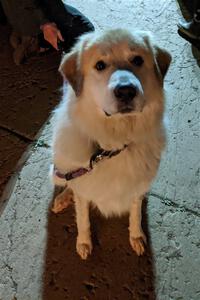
(116, 185)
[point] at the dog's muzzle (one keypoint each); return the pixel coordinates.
(125, 87)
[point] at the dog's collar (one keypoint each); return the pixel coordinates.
(98, 156)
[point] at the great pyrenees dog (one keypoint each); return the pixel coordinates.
(108, 129)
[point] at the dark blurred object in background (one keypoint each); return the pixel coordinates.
(3, 19)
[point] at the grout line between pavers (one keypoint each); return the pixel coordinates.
(169, 202)
(14, 283)
(21, 136)
(35, 142)
(10, 238)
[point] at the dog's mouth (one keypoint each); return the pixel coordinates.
(107, 114)
(123, 110)
(126, 109)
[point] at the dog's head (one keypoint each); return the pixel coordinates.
(118, 70)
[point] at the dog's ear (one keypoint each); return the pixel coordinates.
(70, 69)
(163, 60)
(161, 56)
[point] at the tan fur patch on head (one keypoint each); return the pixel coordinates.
(71, 66)
(161, 56)
(69, 69)
(163, 59)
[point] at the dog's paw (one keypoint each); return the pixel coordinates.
(84, 249)
(138, 244)
(62, 201)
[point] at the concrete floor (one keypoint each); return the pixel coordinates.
(174, 202)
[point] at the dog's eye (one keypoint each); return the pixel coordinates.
(100, 65)
(137, 61)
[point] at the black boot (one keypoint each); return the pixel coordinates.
(191, 30)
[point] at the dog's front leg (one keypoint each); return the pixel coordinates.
(63, 200)
(136, 234)
(83, 243)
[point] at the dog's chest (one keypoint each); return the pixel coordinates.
(114, 182)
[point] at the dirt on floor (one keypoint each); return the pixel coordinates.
(28, 93)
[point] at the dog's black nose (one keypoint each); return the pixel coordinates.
(125, 92)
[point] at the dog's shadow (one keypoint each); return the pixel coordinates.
(113, 271)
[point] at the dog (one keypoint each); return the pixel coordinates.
(108, 132)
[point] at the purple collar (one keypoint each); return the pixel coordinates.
(98, 156)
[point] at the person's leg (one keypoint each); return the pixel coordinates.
(191, 30)
(196, 5)
(74, 26)
(189, 5)
(3, 19)
(196, 14)
(71, 22)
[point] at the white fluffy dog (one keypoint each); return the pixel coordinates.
(108, 130)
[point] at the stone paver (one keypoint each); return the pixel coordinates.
(8, 142)
(22, 226)
(173, 209)
(176, 247)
